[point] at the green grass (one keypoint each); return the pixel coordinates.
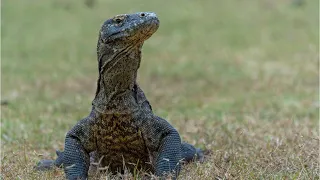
(239, 78)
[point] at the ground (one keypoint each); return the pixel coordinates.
(239, 78)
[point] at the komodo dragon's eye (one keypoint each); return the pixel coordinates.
(118, 20)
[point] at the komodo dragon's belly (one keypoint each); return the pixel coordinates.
(119, 143)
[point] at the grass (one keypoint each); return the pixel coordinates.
(239, 78)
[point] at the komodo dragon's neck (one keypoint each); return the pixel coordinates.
(118, 66)
(119, 54)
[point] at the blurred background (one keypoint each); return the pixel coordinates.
(237, 77)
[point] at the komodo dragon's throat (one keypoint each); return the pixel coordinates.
(121, 128)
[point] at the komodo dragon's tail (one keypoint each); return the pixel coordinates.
(47, 164)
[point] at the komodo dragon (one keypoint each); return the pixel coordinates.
(121, 128)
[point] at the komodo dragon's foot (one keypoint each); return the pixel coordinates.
(47, 164)
(44, 165)
(190, 153)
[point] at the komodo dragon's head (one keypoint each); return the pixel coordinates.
(129, 28)
(119, 52)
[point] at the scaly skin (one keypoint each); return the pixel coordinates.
(121, 128)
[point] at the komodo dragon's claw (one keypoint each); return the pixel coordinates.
(200, 155)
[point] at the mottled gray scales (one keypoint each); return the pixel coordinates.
(121, 130)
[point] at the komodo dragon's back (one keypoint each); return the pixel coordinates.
(121, 129)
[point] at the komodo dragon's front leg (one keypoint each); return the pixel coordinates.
(164, 144)
(164, 140)
(79, 142)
